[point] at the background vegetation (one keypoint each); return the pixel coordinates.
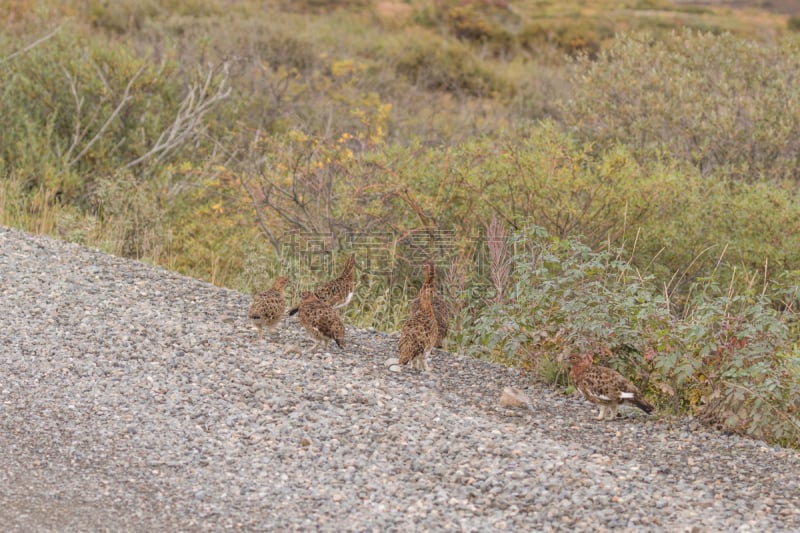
(615, 176)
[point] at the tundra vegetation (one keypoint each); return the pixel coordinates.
(619, 176)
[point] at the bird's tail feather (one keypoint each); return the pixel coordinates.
(642, 404)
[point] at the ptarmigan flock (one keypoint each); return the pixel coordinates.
(425, 329)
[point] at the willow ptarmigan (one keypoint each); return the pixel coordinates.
(267, 307)
(321, 321)
(441, 311)
(339, 291)
(604, 386)
(419, 333)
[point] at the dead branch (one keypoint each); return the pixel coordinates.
(126, 97)
(34, 44)
(202, 96)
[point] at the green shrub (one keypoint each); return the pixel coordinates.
(436, 64)
(729, 365)
(121, 17)
(76, 109)
(728, 358)
(562, 295)
(721, 103)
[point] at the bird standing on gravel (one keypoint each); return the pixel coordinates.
(321, 321)
(267, 307)
(604, 386)
(419, 333)
(339, 291)
(441, 310)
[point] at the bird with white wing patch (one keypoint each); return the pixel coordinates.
(604, 386)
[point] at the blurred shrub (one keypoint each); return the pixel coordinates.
(76, 109)
(121, 17)
(134, 221)
(542, 175)
(724, 104)
(675, 220)
(433, 63)
(321, 6)
(133, 16)
(482, 22)
(571, 37)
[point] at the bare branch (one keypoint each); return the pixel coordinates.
(76, 135)
(126, 96)
(262, 223)
(32, 45)
(198, 101)
(80, 131)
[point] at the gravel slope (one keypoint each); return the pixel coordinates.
(135, 399)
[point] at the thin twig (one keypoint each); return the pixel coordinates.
(192, 109)
(32, 45)
(126, 96)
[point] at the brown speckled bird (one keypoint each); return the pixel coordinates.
(267, 307)
(321, 321)
(441, 310)
(339, 291)
(604, 386)
(419, 333)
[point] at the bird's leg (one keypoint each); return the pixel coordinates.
(313, 348)
(612, 412)
(425, 366)
(322, 342)
(602, 413)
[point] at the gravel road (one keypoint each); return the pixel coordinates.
(136, 399)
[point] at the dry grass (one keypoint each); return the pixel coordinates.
(393, 14)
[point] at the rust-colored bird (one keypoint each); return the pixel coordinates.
(441, 309)
(419, 333)
(267, 307)
(604, 386)
(339, 291)
(321, 321)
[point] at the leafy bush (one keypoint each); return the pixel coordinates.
(730, 366)
(562, 295)
(75, 110)
(728, 358)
